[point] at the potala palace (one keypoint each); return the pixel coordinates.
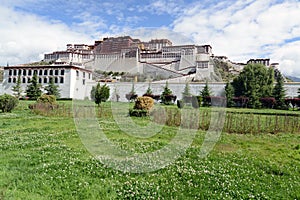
(158, 57)
(72, 69)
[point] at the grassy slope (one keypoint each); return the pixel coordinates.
(43, 158)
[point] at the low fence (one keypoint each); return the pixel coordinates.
(235, 122)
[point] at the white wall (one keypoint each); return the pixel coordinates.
(177, 88)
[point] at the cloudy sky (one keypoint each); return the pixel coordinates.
(240, 29)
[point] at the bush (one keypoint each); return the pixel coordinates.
(138, 113)
(241, 102)
(8, 102)
(142, 107)
(180, 103)
(51, 99)
(294, 102)
(44, 103)
(131, 96)
(267, 102)
(196, 101)
(218, 101)
(143, 103)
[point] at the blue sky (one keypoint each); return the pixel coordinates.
(240, 29)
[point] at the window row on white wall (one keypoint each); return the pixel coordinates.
(40, 72)
(57, 80)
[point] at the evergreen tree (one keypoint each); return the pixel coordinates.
(254, 82)
(149, 91)
(166, 95)
(17, 89)
(279, 92)
(205, 94)
(101, 93)
(132, 92)
(229, 91)
(93, 91)
(52, 89)
(187, 91)
(33, 90)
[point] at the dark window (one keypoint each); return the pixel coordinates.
(35, 72)
(10, 72)
(45, 72)
(40, 80)
(61, 79)
(24, 80)
(51, 72)
(89, 75)
(14, 80)
(15, 72)
(28, 80)
(41, 72)
(56, 80)
(19, 72)
(24, 72)
(62, 72)
(50, 79)
(9, 80)
(83, 81)
(83, 74)
(45, 80)
(56, 72)
(29, 72)
(77, 73)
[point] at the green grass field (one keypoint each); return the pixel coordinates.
(42, 157)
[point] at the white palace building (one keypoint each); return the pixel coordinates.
(72, 68)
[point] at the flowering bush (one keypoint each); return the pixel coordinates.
(267, 102)
(241, 102)
(142, 106)
(143, 103)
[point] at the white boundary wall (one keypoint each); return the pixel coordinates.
(217, 89)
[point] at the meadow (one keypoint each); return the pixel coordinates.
(43, 157)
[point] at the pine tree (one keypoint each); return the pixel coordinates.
(101, 93)
(149, 91)
(93, 91)
(17, 89)
(279, 92)
(166, 96)
(187, 91)
(52, 89)
(33, 90)
(205, 94)
(229, 91)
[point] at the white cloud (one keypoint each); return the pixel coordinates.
(289, 56)
(245, 29)
(25, 37)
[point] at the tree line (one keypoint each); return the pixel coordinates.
(257, 86)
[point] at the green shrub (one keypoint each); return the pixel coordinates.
(180, 103)
(196, 101)
(51, 99)
(138, 113)
(101, 93)
(44, 103)
(8, 102)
